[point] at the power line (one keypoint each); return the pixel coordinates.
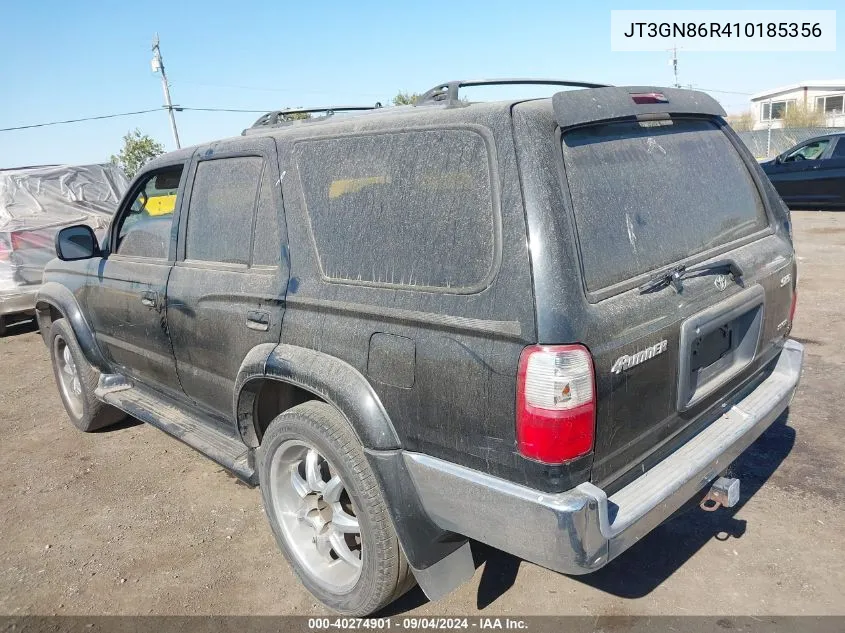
(90, 118)
(727, 92)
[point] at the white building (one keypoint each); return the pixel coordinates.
(826, 95)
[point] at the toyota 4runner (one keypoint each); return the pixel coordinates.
(542, 324)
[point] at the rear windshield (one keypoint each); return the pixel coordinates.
(648, 194)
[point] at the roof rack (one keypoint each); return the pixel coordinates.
(277, 117)
(449, 91)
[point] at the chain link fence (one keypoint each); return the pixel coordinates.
(781, 140)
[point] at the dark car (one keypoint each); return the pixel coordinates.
(542, 324)
(811, 175)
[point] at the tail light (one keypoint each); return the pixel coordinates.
(556, 403)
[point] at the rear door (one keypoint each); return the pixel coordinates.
(226, 292)
(664, 183)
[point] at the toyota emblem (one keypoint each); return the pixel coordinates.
(721, 282)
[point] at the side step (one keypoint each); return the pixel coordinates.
(172, 418)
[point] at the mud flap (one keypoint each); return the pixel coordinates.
(446, 575)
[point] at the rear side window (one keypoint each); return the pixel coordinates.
(649, 194)
(220, 214)
(409, 209)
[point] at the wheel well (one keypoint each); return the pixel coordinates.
(261, 401)
(46, 314)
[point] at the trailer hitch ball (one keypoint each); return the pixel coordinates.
(723, 493)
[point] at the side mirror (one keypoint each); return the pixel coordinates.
(76, 242)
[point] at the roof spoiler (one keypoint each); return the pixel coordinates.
(580, 107)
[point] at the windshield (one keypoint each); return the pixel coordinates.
(648, 194)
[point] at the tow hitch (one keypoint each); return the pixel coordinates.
(723, 493)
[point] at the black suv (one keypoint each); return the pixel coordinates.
(542, 324)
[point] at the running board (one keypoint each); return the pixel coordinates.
(172, 418)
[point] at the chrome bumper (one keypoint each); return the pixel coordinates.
(581, 530)
(18, 299)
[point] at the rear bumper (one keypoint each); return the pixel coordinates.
(581, 530)
(18, 299)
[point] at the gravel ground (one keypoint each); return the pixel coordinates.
(130, 521)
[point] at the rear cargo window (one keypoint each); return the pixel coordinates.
(650, 194)
(410, 209)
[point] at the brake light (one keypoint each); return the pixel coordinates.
(556, 403)
(649, 97)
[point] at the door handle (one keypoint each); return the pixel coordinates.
(149, 298)
(257, 320)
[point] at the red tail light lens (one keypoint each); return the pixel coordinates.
(556, 403)
(649, 97)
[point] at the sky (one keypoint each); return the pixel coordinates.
(66, 60)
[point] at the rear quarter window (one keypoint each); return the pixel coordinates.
(649, 194)
(404, 209)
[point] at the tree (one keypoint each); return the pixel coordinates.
(405, 98)
(742, 122)
(800, 116)
(138, 149)
(296, 116)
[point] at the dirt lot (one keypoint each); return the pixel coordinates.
(130, 521)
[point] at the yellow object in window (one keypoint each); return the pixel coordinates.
(339, 188)
(161, 205)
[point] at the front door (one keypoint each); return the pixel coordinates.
(127, 290)
(797, 176)
(226, 292)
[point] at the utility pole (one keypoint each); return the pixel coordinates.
(158, 66)
(674, 50)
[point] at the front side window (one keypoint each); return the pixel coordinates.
(810, 151)
(401, 209)
(221, 210)
(146, 226)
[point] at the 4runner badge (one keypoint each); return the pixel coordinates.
(626, 362)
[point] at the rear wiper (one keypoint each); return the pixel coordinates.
(674, 275)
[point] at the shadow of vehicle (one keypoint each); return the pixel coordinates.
(12, 325)
(126, 423)
(641, 569)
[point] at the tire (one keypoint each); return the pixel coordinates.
(76, 380)
(2, 325)
(353, 574)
